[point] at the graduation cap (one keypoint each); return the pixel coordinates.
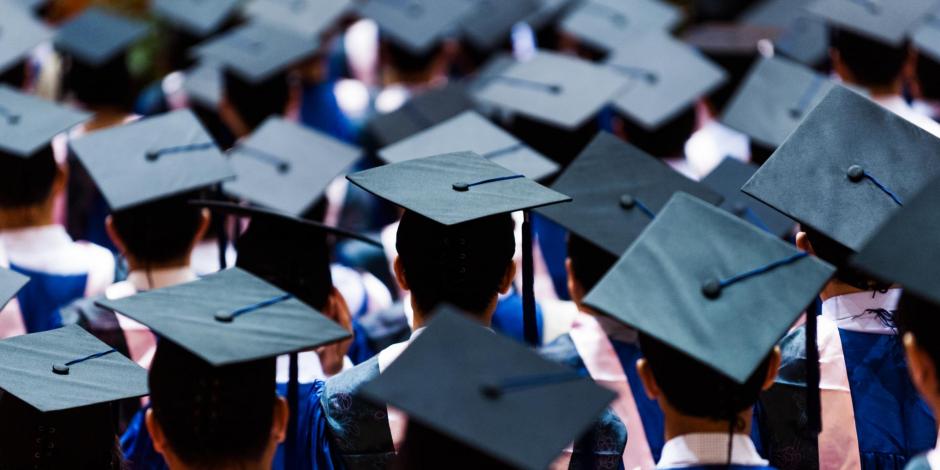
(904, 250)
(490, 393)
(21, 33)
(97, 35)
(420, 112)
(547, 13)
(416, 25)
(256, 51)
(617, 190)
(555, 89)
(886, 21)
(204, 84)
(28, 123)
(151, 159)
(727, 179)
(608, 24)
(488, 24)
(286, 166)
(775, 97)
(724, 291)
(10, 283)
(729, 39)
(67, 368)
(847, 168)
(469, 131)
(309, 18)
(196, 17)
(229, 317)
(926, 38)
(665, 77)
(803, 37)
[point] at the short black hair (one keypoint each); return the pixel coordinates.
(108, 84)
(462, 265)
(928, 76)
(407, 62)
(15, 75)
(159, 231)
(696, 389)
(589, 262)
(838, 255)
(872, 62)
(213, 417)
(426, 449)
(255, 102)
(667, 140)
(26, 182)
(921, 318)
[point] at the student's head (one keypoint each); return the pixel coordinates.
(214, 417)
(667, 141)
(412, 68)
(838, 255)
(160, 233)
(918, 322)
(104, 86)
(866, 62)
(928, 77)
(587, 263)
(15, 75)
(29, 182)
(252, 103)
(466, 265)
(426, 449)
(82, 438)
(691, 389)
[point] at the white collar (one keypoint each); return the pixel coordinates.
(933, 457)
(691, 450)
(389, 354)
(28, 239)
(164, 277)
(848, 311)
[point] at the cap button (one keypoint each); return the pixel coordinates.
(283, 167)
(855, 173)
(60, 369)
(627, 201)
(13, 119)
(223, 316)
(796, 113)
(152, 155)
(414, 8)
(739, 209)
(711, 289)
(491, 391)
(461, 186)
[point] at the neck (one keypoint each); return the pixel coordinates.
(27, 216)
(106, 116)
(421, 317)
(680, 425)
(136, 264)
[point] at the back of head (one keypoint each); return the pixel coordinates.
(697, 390)
(921, 318)
(872, 63)
(668, 140)
(928, 77)
(426, 449)
(105, 85)
(838, 255)
(462, 265)
(589, 262)
(411, 66)
(161, 231)
(255, 102)
(15, 75)
(212, 417)
(26, 182)
(81, 438)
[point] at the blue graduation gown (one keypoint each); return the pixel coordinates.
(44, 294)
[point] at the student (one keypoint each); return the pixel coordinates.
(840, 197)
(24, 33)
(61, 269)
(709, 350)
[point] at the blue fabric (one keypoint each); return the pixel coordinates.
(733, 467)
(312, 443)
(507, 319)
(360, 350)
(320, 110)
(137, 446)
(43, 296)
(552, 242)
(893, 423)
(650, 413)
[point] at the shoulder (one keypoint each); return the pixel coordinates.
(562, 351)
(340, 391)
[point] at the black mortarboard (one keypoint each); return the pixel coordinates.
(887, 21)
(489, 24)
(27, 122)
(729, 39)
(230, 317)
(849, 166)
(905, 249)
(469, 131)
(547, 13)
(416, 25)
(286, 166)
(617, 189)
(665, 77)
(151, 159)
(204, 84)
(67, 368)
(926, 38)
(256, 51)
(727, 179)
(803, 37)
(724, 292)
(609, 24)
(555, 89)
(10, 283)
(490, 393)
(21, 33)
(97, 35)
(196, 17)
(420, 112)
(310, 18)
(774, 99)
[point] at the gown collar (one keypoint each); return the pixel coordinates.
(697, 449)
(852, 312)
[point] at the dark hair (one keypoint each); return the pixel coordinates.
(462, 265)
(406, 62)
(838, 255)
(426, 449)
(26, 181)
(668, 140)
(589, 262)
(872, 62)
(159, 231)
(928, 76)
(921, 318)
(696, 389)
(80, 438)
(108, 84)
(15, 75)
(255, 102)
(212, 417)
(760, 153)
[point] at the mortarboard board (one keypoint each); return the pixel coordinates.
(608, 24)
(419, 113)
(27, 123)
(926, 38)
(887, 21)
(775, 97)
(286, 166)
(10, 283)
(67, 368)
(552, 88)
(309, 18)
(847, 167)
(469, 131)
(21, 33)
(489, 23)
(490, 393)
(548, 12)
(256, 51)
(617, 189)
(204, 83)
(666, 77)
(230, 317)
(30, 4)
(97, 35)
(727, 178)
(197, 17)
(416, 25)
(803, 37)
(151, 159)
(724, 291)
(904, 249)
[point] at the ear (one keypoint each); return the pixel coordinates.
(920, 366)
(114, 235)
(280, 419)
(772, 369)
(205, 217)
(156, 433)
(60, 179)
(649, 382)
(574, 287)
(508, 277)
(400, 274)
(802, 242)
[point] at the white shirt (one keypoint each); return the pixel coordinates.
(848, 311)
(899, 106)
(691, 450)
